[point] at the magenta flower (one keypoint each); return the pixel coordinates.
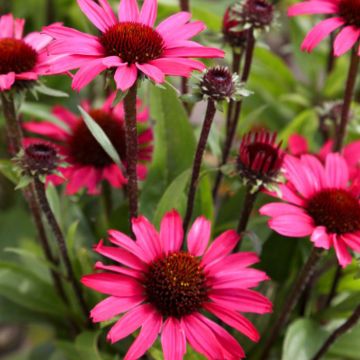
(162, 289)
(321, 203)
(88, 162)
(346, 16)
(21, 59)
(129, 45)
(298, 146)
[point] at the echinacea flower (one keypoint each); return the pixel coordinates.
(88, 162)
(298, 145)
(232, 29)
(260, 158)
(129, 45)
(344, 15)
(320, 203)
(164, 290)
(22, 59)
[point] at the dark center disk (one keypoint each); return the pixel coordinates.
(16, 56)
(87, 151)
(349, 10)
(133, 42)
(175, 285)
(336, 209)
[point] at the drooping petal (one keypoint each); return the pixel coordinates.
(148, 12)
(341, 251)
(152, 72)
(292, 225)
(199, 236)
(319, 32)
(128, 11)
(47, 129)
(321, 238)
(147, 336)
(6, 81)
(87, 73)
(279, 209)
(125, 76)
(112, 306)
(346, 39)
(171, 232)
(119, 270)
(352, 240)
(131, 321)
(173, 340)
(177, 67)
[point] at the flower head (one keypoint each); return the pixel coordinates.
(128, 45)
(88, 163)
(320, 203)
(22, 60)
(232, 29)
(346, 17)
(163, 289)
(260, 158)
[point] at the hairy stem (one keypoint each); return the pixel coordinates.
(300, 284)
(348, 94)
(131, 150)
(349, 323)
(46, 209)
(209, 117)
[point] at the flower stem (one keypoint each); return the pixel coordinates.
(334, 285)
(235, 119)
(349, 90)
(300, 284)
(131, 150)
(209, 117)
(15, 144)
(349, 323)
(46, 209)
(248, 205)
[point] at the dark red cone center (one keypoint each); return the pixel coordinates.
(133, 42)
(349, 10)
(16, 56)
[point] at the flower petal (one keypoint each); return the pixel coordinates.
(171, 232)
(177, 67)
(6, 26)
(173, 340)
(336, 170)
(128, 11)
(148, 12)
(352, 240)
(341, 251)
(6, 81)
(346, 39)
(313, 7)
(320, 238)
(292, 225)
(199, 236)
(125, 76)
(87, 73)
(279, 209)
(152, 72)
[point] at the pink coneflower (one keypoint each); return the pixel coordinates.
(320, 203)
(88, 162)
(346, 16)
(298, 145)
(165, 290)
(21, 59)
(129, 45)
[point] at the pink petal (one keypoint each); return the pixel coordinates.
(173, 340)
(341, 251)
(222, 246)
(113, 61)
(120, 255)
(65, 115)
(199, 236)
(131, 321)
(238, 260)
(96, 14)
(320, 238)
(200, 337)
(337, 172)
(37, 41)
(288, 194)
(6, 81)
(171, 232)
(114, 176)
(122, 240)
(352, 240)
(346, 39)
(298, 145)
(189, 30)
(47, 129)
(110, 16)
(125, 76)
(18, 28)
(279, 209)
(147, 336)
(146, 236)
(317, 169)
(112, 284)
(119, 270)
(319, 32)
(27, 76)
(87, 73)
(313, 7)
(200, 51)
(292, 225)
(177, 67)
(234, 319)
(152, 72)
(128, 11)
(7, 26)
(167, 28)
(243, 300)
(112, 306)
(148, 12)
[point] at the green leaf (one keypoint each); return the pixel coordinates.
(302, 340)
(43, 89)
(7, 169)
(86, 345)
(101, 137)
(174, 146)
